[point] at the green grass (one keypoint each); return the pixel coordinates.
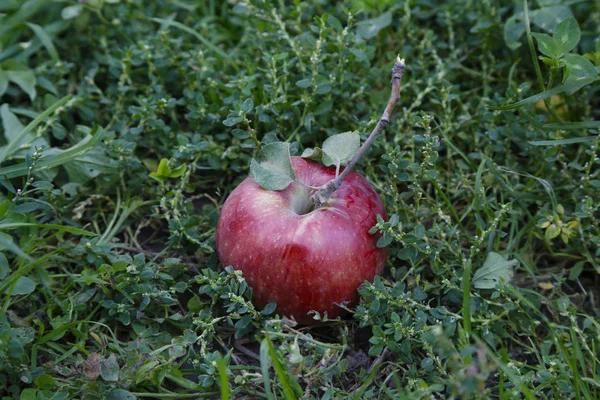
(110, 286)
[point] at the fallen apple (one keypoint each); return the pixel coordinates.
(301, 258)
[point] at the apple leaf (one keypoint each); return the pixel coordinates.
(338, 149)
(494, 270)
(313, 154)
(272, 169)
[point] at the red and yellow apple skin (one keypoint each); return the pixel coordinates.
(309, 261)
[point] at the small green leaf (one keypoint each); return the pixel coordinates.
(323, 108)
(495, 269)
(272, 169)
(6, 242)
(3, 82)
(45, 382)
(120, 394)
(303, 83)
(177, 172)
(579, 71)
(71, 12)
(335, 23)
(4, 267)
(558, 142)
(370, 28)
(268, 310)
(313, 154)
(546, 45)
(25, 79)
(338, 149)
(29, 394)
(552, 231)
(163, 168)
(549, 17)
(110, 369)
(24, 285)
(513, 30)
(567, 35)
(45, 39)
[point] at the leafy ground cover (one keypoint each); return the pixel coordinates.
(127, 123)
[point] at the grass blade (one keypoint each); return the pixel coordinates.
(562, 141)
(7, 151)
(573, 126)
(223, 380)
(264, 368)
(533, 99)
(68, 155)
(282, 374)
(45, 39)
(60, 228)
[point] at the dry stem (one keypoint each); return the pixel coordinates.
(322, 195)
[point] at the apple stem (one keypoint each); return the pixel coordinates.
(324, 193)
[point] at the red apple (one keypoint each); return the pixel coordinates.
(301, 259)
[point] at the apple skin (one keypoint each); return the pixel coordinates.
(303, 262)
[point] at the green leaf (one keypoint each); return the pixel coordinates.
(87, 166)
(268, 310)
(312, 154)
(338, 149)
(3, 82)
(223, 379)
(513, 30)
(572, 126)
(562, 141)
(335, 23)
(163, 168)
(323, 108)
(548, 18)
(370, 28)
(8, 150)
(167, 22)
(4, 267)
(59, 157)
(177, 172)
(552, 232)
(303, 83)
(535, 98)
(579, 71)
(60, 228)
(567, 35)
(495, 269)
(6, 242)
(120, 394)
(29, 394)
(71, 12)
(45, 39)
(546, 45)
(45, 382)
(109, 369)
(11, 125)
(265, 364)
(282, 374)
(272, 169)
(24, 286)
(25, 80)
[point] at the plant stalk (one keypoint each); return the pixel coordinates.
(322, 195)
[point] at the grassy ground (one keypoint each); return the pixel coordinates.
(110, 285)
